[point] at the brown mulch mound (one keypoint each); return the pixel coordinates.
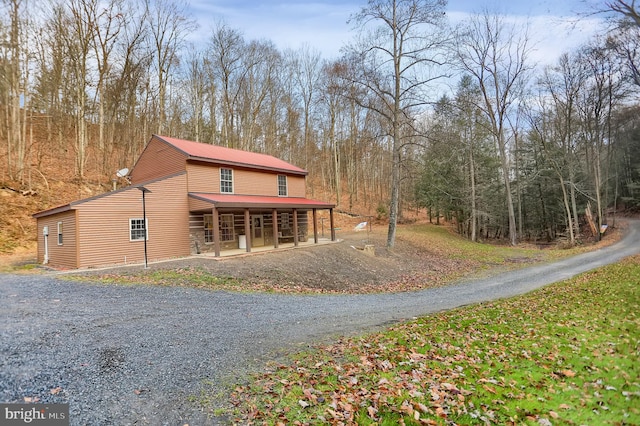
(340, 267)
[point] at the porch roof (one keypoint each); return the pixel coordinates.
(256, 201)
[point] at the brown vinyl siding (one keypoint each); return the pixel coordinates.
(206, 178)
(195, 205)
(104, 225)
(60, 256)
(203, 178)
(157, 160)
(296, 186)
(248, 182)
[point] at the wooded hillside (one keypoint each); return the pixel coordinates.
(513, 151)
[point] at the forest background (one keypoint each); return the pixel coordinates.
(513, 151)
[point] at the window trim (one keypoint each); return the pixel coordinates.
(231, 229)
(221, 220)
(281, 186)
(226, 182)
(60, 229)
(146, 228)
(284, 221)
(207, 229)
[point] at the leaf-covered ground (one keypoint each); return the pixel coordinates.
(566, 354)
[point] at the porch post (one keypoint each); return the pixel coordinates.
(216, 232)
(315, 226)
(333, 228)
(247, 229)
(295, 227)
(274, 220)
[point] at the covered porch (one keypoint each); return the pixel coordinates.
(220, 223)
(266, 249)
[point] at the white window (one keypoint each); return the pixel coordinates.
(208, 228)
(226, 227)
(284, 221)
(59, 233)
(282, 185)
(226, 181)
(137, 229)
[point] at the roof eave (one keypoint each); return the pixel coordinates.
(52, 211)
(247, 165)
(285, 203)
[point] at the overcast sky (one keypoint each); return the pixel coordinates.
(322, 24)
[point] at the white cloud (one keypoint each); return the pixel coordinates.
(322, 24)
(289, 24)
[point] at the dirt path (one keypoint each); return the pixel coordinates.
(139, 354)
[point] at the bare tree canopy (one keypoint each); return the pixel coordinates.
(414, 119)
(397, 58)
(626, 8)
(497, 57)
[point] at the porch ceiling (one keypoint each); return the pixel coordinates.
(255, 201)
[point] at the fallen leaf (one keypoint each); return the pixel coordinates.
(489, 389)
(372, 412)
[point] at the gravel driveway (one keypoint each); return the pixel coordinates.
(135, 354)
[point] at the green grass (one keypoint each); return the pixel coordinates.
(443, 241)
(566, 354)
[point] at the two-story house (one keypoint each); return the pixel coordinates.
(197, 198)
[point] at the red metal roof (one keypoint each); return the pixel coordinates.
(255, 201)
(221, 154)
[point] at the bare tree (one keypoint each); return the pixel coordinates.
(624, 37)
(597, 100)
(557, 129)
(78, 29)
(169, 24)
(225, 59)
(260, 61)
(197, 93)
(496, 56)
(626, 8)
(12, 65)
(306, 65)
(397, 58)
(109, 20)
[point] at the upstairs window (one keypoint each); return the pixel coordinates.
(282, 186)
(226, 181)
